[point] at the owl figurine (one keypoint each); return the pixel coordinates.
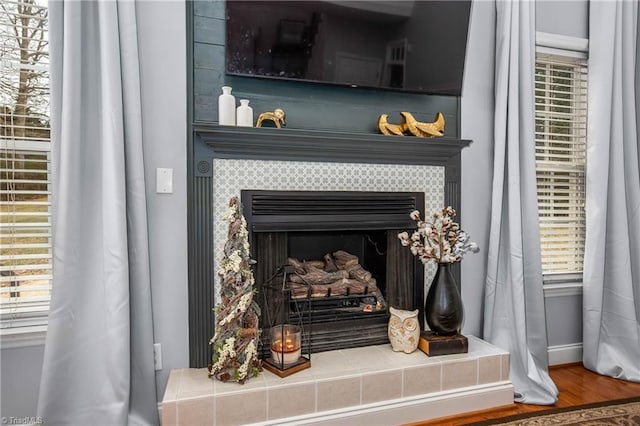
(404, 330)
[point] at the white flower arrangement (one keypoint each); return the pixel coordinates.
(250, 353)
(227, 351)
(234, 261)
(231, 214)
(440, 240)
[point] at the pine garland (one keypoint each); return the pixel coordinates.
(235, 343)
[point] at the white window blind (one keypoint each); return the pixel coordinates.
(561, 128)
(25, 225)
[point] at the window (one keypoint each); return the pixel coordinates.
(25, 228)
(561, 128)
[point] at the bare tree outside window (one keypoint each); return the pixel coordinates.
(25, 228)
(24, 93)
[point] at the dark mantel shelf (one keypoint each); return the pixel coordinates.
(313, 145)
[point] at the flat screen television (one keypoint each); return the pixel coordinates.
(413, 46)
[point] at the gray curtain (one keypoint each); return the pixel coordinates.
(98, 362)
(514, 316)
(611, 306)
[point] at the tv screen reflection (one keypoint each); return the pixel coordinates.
(413, 46)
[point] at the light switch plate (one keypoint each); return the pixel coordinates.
(164, 181)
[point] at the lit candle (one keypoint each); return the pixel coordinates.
(287, 354)
(286, 348)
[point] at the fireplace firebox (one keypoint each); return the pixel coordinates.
(312, 226)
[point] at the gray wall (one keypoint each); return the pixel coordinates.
(162, 39)
(20, 370)
(570, 18)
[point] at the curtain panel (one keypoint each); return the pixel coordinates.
(98, 362)
(611, 306)
(514, 316)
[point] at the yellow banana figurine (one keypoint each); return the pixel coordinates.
(389, 129)
(424, 130)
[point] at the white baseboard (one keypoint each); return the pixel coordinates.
(565, 354)
(410, 409)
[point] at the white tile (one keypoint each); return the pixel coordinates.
(489, 369)
(173, 384)
(422, 379)
(381, 386)
(241, 408)
(459, 374)
(196, 411)
(337, 393)
(195, 382)
(292, 400)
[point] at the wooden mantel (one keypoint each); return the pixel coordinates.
(225, 142)
(309, 145)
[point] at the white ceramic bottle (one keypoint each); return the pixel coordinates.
(244, 114)
(226, 107)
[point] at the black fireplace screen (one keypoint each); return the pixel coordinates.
(343, 254)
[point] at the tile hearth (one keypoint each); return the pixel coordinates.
(368, 385)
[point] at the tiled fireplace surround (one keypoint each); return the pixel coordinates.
(369, 385)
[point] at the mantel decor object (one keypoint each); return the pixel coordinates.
(443, 308)
(441, 240)
(404, 330)
(244, 114)
(288, 349)
(226, 107)
(235, 342)
(409, 125)
(276, 117)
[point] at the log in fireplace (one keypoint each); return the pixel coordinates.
(311, 227)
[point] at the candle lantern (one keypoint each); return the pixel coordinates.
(286, 342)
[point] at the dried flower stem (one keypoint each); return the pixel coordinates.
(440, 240)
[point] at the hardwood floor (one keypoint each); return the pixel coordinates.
(576, 386)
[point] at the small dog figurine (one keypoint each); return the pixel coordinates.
(277, 116)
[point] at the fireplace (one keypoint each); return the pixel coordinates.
(374, 383)
(228, 159)
(305, 227)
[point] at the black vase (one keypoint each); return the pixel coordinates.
(443, 308)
